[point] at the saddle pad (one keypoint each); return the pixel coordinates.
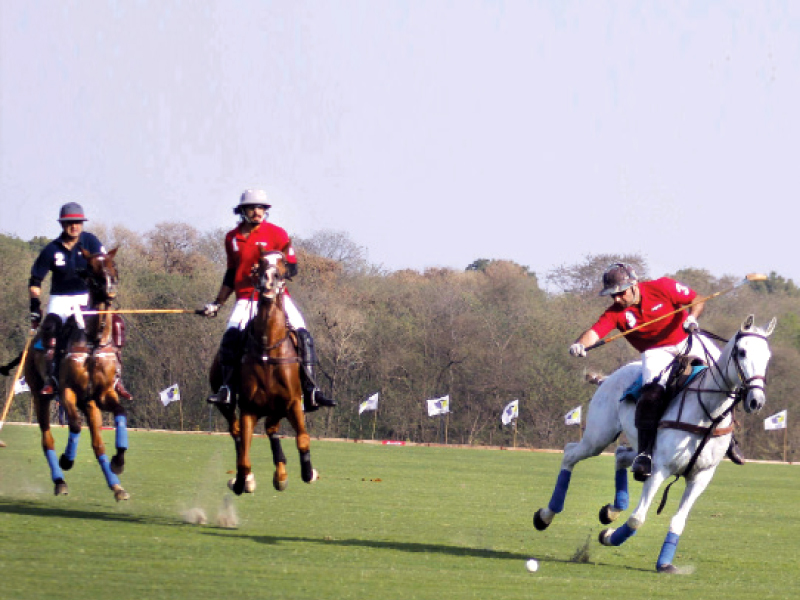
(635, 389)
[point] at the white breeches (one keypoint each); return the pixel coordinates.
(64, 306)
(244, 310)
(656, 360)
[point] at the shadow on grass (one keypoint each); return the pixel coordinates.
(36, 509)
(410, 547)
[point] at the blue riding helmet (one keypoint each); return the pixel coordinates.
(618, 278)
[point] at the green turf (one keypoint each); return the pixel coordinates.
(384, 522)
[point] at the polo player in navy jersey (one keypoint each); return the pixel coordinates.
(68, 291)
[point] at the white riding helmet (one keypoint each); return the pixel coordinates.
(252, 198)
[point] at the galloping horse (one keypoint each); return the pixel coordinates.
(86, 376)
(269, 382)
(693, 435)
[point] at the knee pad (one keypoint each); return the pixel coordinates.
(51, 326)
(650, 406)
(230, 349)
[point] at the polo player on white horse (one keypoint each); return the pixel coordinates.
(636, 304)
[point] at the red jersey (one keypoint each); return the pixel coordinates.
(659, 297)
(244, 252)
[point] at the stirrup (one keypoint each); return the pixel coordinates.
(314, 399)
(49, 388)
(222, 397)
(642, 467)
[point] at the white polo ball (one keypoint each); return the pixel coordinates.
(532, 565)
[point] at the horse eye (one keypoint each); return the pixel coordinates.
(742, 353)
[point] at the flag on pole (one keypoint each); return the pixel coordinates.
(21, 386)
(573, 417)
(776, 421)
(171, 394)
(510, 412)
(370, 403)
(439, 406)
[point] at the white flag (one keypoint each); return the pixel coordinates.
(439, 406)
(21, 386)
(171, 394)
(573, 417)
(510, 412)
(370, 403)
(777, 421)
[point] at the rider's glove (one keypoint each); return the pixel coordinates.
(577, 349)
(36, 313)
(211, 309)
(690, 324)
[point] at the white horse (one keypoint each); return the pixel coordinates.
(692, 439)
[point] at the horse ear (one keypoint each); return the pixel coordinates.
(771, 327)
(86, 254)
(113, 252)
(748, 323)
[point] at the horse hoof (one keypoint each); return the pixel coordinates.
(250, 484)
(609, 514)
(121, 495)
(605, 535)
(279, 485)
(672, 569)
(235, 486)
(65, 463)
(61, 488)
(314, 476)
(117, 464)
(539, 523)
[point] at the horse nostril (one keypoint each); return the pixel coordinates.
(754, 405)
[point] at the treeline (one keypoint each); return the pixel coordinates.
(485, 336)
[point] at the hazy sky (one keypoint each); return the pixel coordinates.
(433, 132)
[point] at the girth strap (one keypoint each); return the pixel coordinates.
(718, 432)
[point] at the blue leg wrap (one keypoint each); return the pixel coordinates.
(621, 485)
(111, 479)
(621, 534)
(668, 549)
(55, 471)
(122, 432)
(560, 493)
(72, 445)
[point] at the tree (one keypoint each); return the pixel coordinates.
(585, 279)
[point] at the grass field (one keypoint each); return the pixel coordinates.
(384, 522)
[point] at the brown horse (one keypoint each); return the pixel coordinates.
(87, 374)
(269, 382)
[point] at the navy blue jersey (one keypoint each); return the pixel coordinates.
(64, 265)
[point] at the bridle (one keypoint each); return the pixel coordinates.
(102, 286)
(270, 285)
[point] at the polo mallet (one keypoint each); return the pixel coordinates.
(17, 373)
(747, 279)
(145, 311)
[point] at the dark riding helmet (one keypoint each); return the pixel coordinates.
(71, 211)
(618, 278)
(252, 198)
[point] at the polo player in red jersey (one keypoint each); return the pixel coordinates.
(243, 247)
(638, 303)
